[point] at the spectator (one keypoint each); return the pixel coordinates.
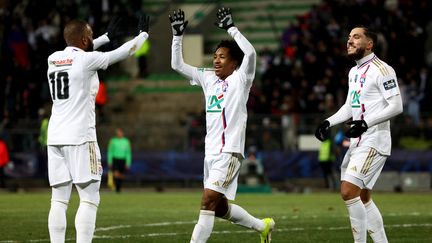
(4, 160)
(101, 100)
(43, 142)
(142, 55)
(326, 158)
(252, 169)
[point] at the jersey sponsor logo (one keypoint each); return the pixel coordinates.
(60, 63)
(214, 103)
(355, 99)
(389, 84)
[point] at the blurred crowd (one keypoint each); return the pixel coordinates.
(306, 80)
(307, 75)
(30, 30)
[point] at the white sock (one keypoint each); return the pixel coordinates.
(203, 227)
(357, 214)
(375, 224)
(238, 215)
(85, 222)
(57, 221)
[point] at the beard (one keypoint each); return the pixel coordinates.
(89, 47)
(358, 54)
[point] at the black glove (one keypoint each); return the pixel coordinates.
(358, 128)
(178, 23)
(112, 29)
(323, 132)
(224, 20)
(143, 23)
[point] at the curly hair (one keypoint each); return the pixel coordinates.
(233, 49)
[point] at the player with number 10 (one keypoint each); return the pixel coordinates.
(73, 152)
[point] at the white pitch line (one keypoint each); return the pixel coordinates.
(145, 225)
(294, 229)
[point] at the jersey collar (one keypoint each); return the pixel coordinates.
(73, 48)
(365, 60)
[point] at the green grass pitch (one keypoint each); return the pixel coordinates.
(170, 217)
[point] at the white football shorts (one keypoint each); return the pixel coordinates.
(362, 166)
(221, 173)
(77, 163)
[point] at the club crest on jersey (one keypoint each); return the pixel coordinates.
(224, 85)
(363, 78)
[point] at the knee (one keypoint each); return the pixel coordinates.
(209, 202)
(349, 191)
(89, 193)
(345, 195)
(91, 204)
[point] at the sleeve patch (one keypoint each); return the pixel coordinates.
(389, 84)
(205, 69)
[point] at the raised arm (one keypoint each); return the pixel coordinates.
(100, 41)
(127, 49)
(130, 47)
(248, 65)
(225, 21)
(178, 25)
(109, 35)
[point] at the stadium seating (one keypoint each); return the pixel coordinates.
(263, 22)
(153, 113)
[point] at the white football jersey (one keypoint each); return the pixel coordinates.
(73, 83)
(225, 100)
(226, 112)
(371, 82)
